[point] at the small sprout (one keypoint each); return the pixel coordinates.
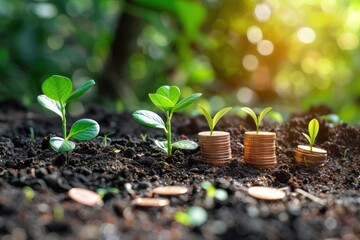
(29, 193)
(166, 99)
(194, 216)
(313, 129)
(257, 119)
(32, 133)
(103, 191)
(106, 139)
(58, 93)
(143, 137)
(58, 212)
(212, 192)
(213, 121)
(345, 153)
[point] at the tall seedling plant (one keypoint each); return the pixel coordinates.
(58, 94)
(166, 99)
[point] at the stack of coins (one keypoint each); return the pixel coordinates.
(304, 156)
(259, 149)
(215, 148)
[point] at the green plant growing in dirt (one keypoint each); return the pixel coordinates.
(212, 192)
(58, 94)
(313, 129)
(213, 121)
(166, 99)
(106, 139)
(257, 119)
(194, 216)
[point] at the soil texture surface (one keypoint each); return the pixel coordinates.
(35, 181)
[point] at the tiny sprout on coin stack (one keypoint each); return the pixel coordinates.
(257, 119)
(213, 121)
(313, 128)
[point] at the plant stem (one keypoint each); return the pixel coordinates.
(168, 128)
(63, 119)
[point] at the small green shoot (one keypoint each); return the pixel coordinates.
(194, 216)
(212, 192)
(313, 129)
(257, 119)
(143, 137)
(166, 99)
(106, 139)
(213, 121)
(58, 93)
(32, 133)
(103, 191)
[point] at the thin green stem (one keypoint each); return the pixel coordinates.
(168, 128)
(63, 119)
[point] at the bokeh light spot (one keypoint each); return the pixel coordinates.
(254, 34)
(265, 47)
(245, 95)
(45, 10)
(262, 12)
(55, 42)
(348, 41)
(306, 35)
(250, 62)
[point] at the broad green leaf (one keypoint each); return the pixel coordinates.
(313, 129)
(172, 93)
(81, 90)
(220, 114)
(308, 138)
(186, 102)
(161, 144)
(84, 129)
(221, 195)
(57, 88)
(208, 117)
(263, 113)
(182, 218)
(185, 144)
(161, 102)
(251, 113)
(149, 119)
(50, 104)
(198, 215)
(61, 145)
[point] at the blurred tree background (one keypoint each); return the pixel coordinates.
(288, 54)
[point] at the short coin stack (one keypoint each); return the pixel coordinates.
(304, 156)
(215, 148)
(260, 149)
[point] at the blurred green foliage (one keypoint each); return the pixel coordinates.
(290, 54)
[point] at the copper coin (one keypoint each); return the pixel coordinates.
(217, 154)
(308, 162)
(85, 196)
(266, 193)
(214, 134)
(151, 202)
(170, 190)
(214, 148)
(315, 150)
(260, 133)
(311, 157)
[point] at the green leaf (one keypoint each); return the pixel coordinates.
(208, 117)
(172, 93)
(149, 119)
(81, 90)
(220, 114)
(313, 129)
(186, 102)
(61, 145)
(84, 129)
(161, 102)
(57, 88)
(308, 138)
(161, 144)
(263, 113)
(185, 144)
(50, 104)
(252, 114)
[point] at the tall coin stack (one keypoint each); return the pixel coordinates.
(215, 148)
(260, 149)
(304, 156)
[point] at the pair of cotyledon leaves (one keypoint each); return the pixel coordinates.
(313, 129)
(58, 93)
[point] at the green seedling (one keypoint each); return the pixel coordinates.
(143, 137)
(106, 139)
(212, 192)
(257, 119)
(166, 99)
(313, 128)
(103, 191)
(32, 133)
(213, 121)
(58, 93)
(194, 216)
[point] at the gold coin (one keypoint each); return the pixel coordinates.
(315, 150)
(170, 190)
(214, 134)
(151, 202)
(85, 196)
(311, 158)
(263, 134)
(266, 193)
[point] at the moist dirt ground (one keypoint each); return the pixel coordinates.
(26, 160)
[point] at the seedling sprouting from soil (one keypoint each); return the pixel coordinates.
(213, 121)
(313, 128)
(58, 93)
(257, 119)
(166, 99)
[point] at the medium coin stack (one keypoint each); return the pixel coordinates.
(304, 156)
(215, 148)
(260, 149)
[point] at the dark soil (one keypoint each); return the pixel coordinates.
(26, 160)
